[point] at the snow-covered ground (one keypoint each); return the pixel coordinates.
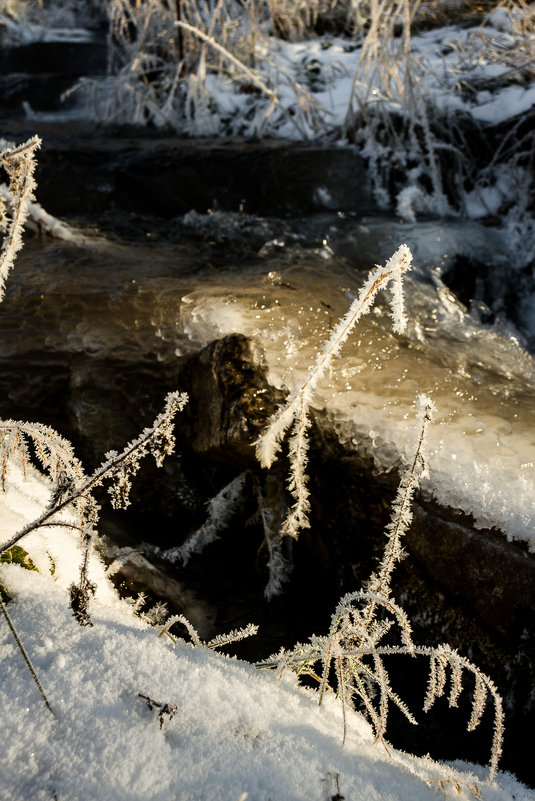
(252, 82)
(230, 731)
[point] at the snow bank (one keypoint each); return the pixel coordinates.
(236, 732)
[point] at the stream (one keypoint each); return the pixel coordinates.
(284, 283)
(97, 326)
(220, 267)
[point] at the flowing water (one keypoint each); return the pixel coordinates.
(161, 294)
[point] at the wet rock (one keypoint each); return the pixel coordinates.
(490, 293)
(230, 400)
(81, 165)
(492, 578)
(70, 58)
(35, 75)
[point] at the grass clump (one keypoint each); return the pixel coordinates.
(361, 634)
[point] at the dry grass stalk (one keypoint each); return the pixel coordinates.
(19, 163)
(218, 641)
(24, 653)
(295, 413)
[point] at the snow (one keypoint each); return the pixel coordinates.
(509, 102)
(236, 733)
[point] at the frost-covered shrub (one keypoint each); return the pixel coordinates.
(353, 651)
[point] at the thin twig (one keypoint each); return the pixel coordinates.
(25, 655)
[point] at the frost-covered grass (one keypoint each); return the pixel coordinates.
(294, 414)
(19, 163)
(410, 83)
(235, 730)
(227, 49)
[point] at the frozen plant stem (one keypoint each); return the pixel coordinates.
(401, 510)
(24, 655)
(252, 75)
(295, 411)
(279, 567)
(19, 163)
(217, 642)
(225, 53)
(220, 510)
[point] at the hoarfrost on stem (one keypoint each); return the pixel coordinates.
(295, 411)
(19, 163)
